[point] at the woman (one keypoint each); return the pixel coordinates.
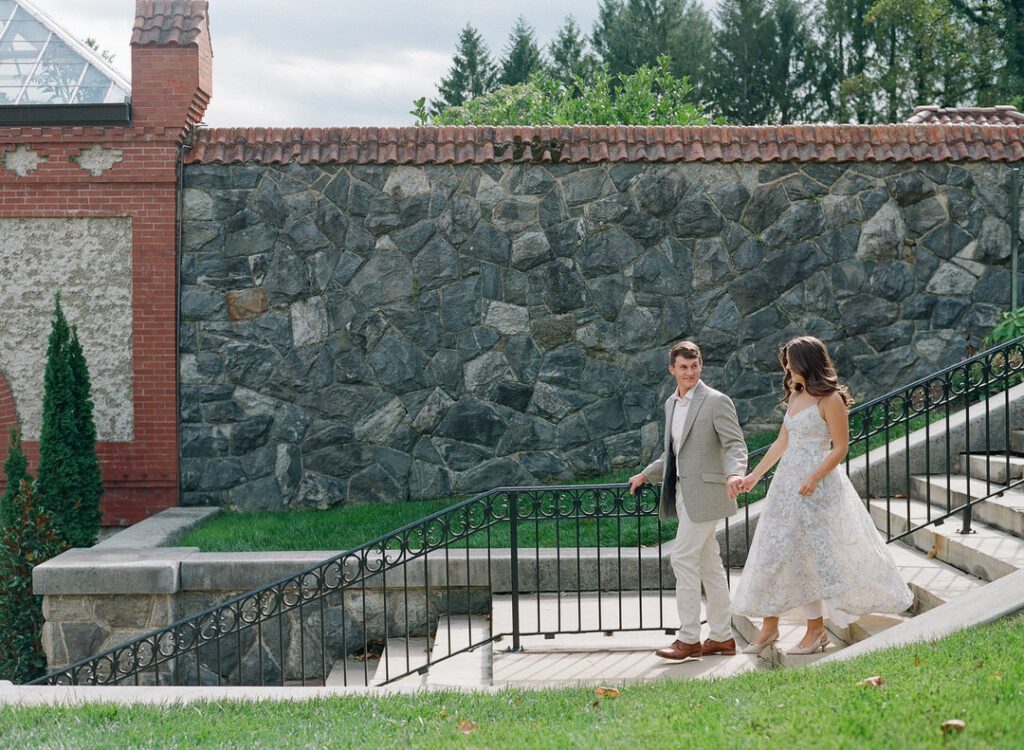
(815, 548)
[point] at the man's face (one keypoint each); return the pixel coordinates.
(686, 372)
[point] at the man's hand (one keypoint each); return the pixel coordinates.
(636, 482)
(734, 485)
(749, 482)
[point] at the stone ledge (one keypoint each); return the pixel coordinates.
(159, 530)
(113, 571)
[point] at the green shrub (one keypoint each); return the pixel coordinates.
(29, 541)
(15, 472)
(1009, 327)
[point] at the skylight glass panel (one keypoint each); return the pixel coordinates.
(40, 63)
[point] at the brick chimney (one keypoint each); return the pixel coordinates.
(172, 65)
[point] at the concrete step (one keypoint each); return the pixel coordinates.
(988, 553)
(400, 656)
(1004, 512)
(933, 582)
(461, 655)
(1017, 441)
(1000, 468)
(352, 673)
(873, 624)
(611, 619)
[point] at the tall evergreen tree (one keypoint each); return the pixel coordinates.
(68, 481)
(742, 63)
(629, 34)
(569, 55)
(845, 43)
(793, 57)
(90, 480)
(15, 472)
(522, 55)
(472, 72)
(1003, 22)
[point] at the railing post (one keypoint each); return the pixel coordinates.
(513, 519)
(966, 528)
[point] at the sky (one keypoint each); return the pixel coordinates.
(323, 63)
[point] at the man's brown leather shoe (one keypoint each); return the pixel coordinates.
(725, 648)
(679, 651)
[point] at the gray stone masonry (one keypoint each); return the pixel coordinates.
(379, 333)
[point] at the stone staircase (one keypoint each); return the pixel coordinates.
(938, 563)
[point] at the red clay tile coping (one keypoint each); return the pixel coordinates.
(169, 23)
(476, 145)
(998, 115)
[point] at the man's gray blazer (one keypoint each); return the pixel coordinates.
(711, 449)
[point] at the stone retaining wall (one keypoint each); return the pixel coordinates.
(372, 333)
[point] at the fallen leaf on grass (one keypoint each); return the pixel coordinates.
(444, 714)
(875, 681)
(917, 661)
(467, 726)
(606, 692)
(997, 676)
(953, 725)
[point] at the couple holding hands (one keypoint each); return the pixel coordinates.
(815, 551)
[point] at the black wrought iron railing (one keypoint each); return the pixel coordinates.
(922, 431)
(562, 559)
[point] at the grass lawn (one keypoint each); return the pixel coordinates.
(976, 676)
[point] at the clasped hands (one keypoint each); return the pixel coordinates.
(733, 484)
(807, 487)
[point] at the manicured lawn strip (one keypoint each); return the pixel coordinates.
(976, 676)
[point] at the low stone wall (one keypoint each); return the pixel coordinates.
(373, 332)
(99, 598)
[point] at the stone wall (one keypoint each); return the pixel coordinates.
(373, 333)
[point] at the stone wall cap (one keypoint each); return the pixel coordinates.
(112, 571)
(158, 530)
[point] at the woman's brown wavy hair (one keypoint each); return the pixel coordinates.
(809, 356)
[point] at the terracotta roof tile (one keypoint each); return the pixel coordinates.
(1000, 115)
(168, 23)
(472, 145)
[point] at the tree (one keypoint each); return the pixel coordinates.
(522, 55)
(67, 482)
(28, 541)
(793, 58)
(1003, 20)
(15, 472)
(650, 96)
(743, 62)
(472, 73)
(845, 44)
(90, 478)
(569, 54)
(106, 54)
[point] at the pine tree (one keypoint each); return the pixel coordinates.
(522, 55)
(15, 472)
(742, 62)
(60, 483)
(793, 56)
(472, 73)
(90, 480)
(629, 34)
(569, 55)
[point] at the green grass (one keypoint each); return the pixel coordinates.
(976, 676)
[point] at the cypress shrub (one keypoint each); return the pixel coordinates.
(16, 472)
(68, 485)
(90, 481)
(27, 542)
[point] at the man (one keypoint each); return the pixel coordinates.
(701, 471)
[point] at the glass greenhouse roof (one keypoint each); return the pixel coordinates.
(41, 63)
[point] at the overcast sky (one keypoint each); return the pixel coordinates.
(326, 62)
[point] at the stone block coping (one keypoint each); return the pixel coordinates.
(159, 530)
(117, 571)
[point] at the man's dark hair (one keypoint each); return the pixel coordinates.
(686, 350)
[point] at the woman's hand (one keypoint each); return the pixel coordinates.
(749, 482)
(809, 485)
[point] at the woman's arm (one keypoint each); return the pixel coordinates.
(837, 417)
(770, 457)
